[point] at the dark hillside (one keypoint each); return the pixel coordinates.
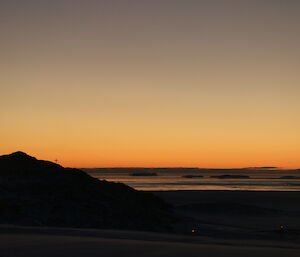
(35, 192)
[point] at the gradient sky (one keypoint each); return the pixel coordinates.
(151, 83)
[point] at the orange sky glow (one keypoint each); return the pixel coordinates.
(152, 83)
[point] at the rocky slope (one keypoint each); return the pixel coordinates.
(36, 192)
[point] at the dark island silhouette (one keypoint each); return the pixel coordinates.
(192, 176)
(226, 176)
(37, 192)
(151, 174)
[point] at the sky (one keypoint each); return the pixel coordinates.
(151, 83)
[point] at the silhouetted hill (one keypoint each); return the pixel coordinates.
(19, 161)
(36, 192)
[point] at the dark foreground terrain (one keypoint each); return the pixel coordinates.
(39, 198)
(42, 193)
(58, 242)
(258, 215)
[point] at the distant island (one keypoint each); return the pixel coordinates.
(143, 174)
(192, 176)
(230, 176)
(182, 170)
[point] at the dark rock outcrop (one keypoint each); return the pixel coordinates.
(35, 192)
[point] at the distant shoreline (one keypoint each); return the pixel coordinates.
(205, 190)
